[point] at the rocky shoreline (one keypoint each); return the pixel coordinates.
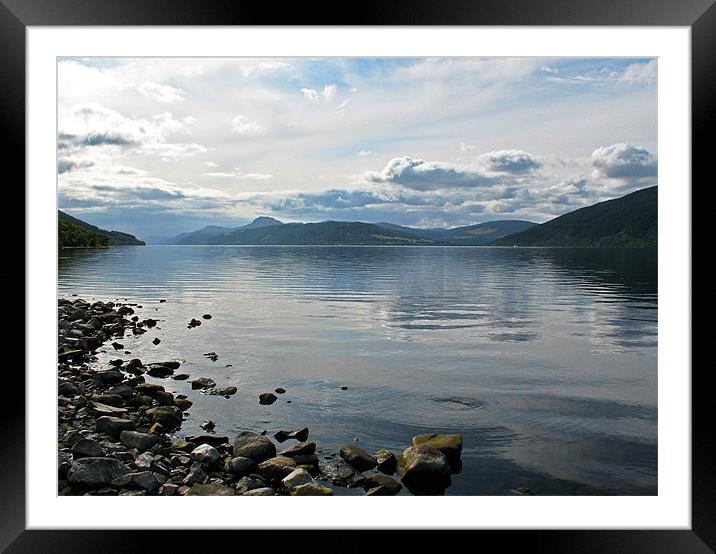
(118, 434)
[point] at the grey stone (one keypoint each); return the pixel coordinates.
(254, 446)
(95, 472)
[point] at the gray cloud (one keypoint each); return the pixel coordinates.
(421, 175)
(624, 161)
(510, 161)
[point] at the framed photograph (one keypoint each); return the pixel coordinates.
(414, 256)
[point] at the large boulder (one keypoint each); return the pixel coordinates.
(113, 426)
(140, 441)
(341, 473)
(424, 470)
(450, 445)
(297, 477)
(381, 485)
(254, 446)
(92, 473)
(358, 457)
(169, 416)
(205, 454)
(386, 461)
(87, 448)
(277, 468)
(240, 466)
(300, 449)
(141, 480)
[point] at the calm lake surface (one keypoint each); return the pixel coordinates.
(545, 360)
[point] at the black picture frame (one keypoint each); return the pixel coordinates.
(699, 15)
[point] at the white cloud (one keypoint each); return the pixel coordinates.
(421, 175)
(165, 94)
(366, 153)
(237, 174)
(311, 94)
(242, 125)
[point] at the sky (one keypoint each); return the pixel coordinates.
(156, 147)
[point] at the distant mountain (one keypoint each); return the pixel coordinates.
(262, 221)
(626, 222)
(70, 235)
(211, 234)
(267, 230)
(326, 232)
(472, 235)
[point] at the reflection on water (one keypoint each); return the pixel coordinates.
(544, 359)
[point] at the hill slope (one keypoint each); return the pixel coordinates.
(114, 238)
(626, 222)
(324, 233)
(71, 235)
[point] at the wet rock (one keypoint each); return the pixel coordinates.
(196, 476)
(193, 323)
(113, 426)
(298, 434)
(207, 425)
(140, 441)
(344, 387)
(300, 449)
(183, 404)
(168, 416)
(206, 316)
(148, 389)
(169, 489)
(267, 398)
(109, 376)
(265, 491)
(358, 457)
(180, 376)
(386, 461)
(210, 489)
(424, 470)
(280, 390)
(240, 466)
(95, 472)
(213, 356)
(246, 484)
(450, 445)
(296, 478)
(156, 340)
(254, 446)
(341, 473)
(103, 409)
(311, 489)
(141, 480)
(87, 448)
(381, 485)
(306, 460)
(277, 468)
(159, 370)
(67, 388)
(202, 383)
(205, 454)
(165, 398)
(109, 400)
(213, 440)
(221, 391)
(117, 346)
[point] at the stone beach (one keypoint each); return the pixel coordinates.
(120, 435)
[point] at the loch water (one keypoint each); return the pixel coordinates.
(543, 359)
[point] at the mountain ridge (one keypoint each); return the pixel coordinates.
(630, 221)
